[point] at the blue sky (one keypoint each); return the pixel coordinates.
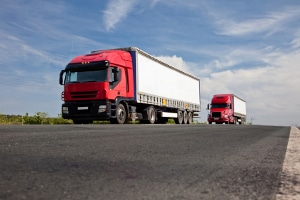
(249, 48)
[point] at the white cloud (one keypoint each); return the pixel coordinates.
(175, 62)
(154, 2)
(270, 22)
(295, 43)
(14, 47)
(229, 59)
(116, 11)
(231, 27)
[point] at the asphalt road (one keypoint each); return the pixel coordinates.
(141, 161)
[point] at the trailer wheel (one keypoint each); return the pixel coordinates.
(185, 117)
(179, 118)
(235, 120)
(151, 115)
(190, 118)
(121, 114)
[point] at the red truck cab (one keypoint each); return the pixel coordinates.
(95, 83)
(221, 109)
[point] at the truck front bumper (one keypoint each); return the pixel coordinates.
(89, 110)
(218, 120)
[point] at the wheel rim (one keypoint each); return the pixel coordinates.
(180, 117)
(190, 118)
(152, 116)
(185, 117)
(121, 114)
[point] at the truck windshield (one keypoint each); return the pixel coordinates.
(86, 74)
(220, 105)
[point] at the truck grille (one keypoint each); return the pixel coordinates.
(80, 95)
(216, 114)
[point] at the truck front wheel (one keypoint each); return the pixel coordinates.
(121, 114)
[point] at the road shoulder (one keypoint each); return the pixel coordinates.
(289, 187)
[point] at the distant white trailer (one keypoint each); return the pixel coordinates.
(239, 107)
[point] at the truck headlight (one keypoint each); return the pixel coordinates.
(63, 96)
(225, 116)
(102, 108)
(65, 110)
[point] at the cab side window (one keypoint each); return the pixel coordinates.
(114, 77)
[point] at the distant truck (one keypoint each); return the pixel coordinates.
(127, 84)
(226, 108)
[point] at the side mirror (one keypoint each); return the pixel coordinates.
(61, 77)
(207, 108)
(115, 74)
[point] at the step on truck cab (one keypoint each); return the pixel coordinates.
(127, 84)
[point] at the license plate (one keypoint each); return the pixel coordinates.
(83, 108)
(216, 118)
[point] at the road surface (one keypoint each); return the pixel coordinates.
(141, 161)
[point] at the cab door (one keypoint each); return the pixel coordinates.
(117, 82)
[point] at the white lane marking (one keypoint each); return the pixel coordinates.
(289, 188)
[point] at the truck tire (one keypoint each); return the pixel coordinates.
(151, 115)
(121, 114)
(185, 117)
(190, 118)
(242, 122)
(179, 118)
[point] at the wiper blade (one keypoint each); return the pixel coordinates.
(91, 81)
